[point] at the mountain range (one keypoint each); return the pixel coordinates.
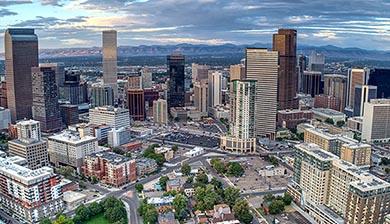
(329, 51)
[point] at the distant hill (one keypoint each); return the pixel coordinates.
(329, 51)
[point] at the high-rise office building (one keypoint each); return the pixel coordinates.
(176, 89)
(21, 54)
(110, 59)
(59, 71)
(311, 83)
(29, 144)
(214, 88)
(363, 93)
(108, 115)
(45, 107)
(160, 111)
(262, 66)
(102, 95)
(69, 114)
(241, 137)
(201, 96)
(199, 72)
(134, 82)
(150, 95)
(136, 104)
(380, 77)
(146, 75)
(29, 195)
(3, 94)
(316, 62)
(376, 121)
(5, 118)
(237, 72)
(285, 43)
(336, 86)
(302, 66)
(355, 77)
(74, 91)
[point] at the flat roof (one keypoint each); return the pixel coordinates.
(113, 158)
(315, 151)
(71, 137)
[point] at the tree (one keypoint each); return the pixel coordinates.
(62, 219)
(45, 221)
(276, 207)
(170, 193)
(218, 165)
(231, 195)
(202, 179)
(241, 211)
(329, 121)
(66, 171)
(387, 170)
(151, 215)
(115, 214)
(94, 180)
(269, 198)
(190, 180)
(206, 197)
(139, 187)
(180, 205)
(186, 169)
(111, 202)
(83, 212)
(175, 148)
(163, 182)
(273, 160)
(95, 208)
(287, 199)
(340, 123)
(118, 151)
(235, 169)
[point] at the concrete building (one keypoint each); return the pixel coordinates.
(285, 43)
(147, 81)
(199, 72)
(45, 106)
(69, 149)
(355, 124)
(118, 137)
(357, 153)
(222, 111)
(355, 77)
(325, 113)
(136, 104)
(145, 166)
(21, 54)
(241, 138)
(312, 83)
(363, 94)
(102, 95)
(201, 96)
(262, 66)
(160, 111)
(214, 88)
(3, 94)
(69, 114)
(59, 68)
(376, 121)
(176, 90)
(237, 72)
(150, 95)
(108, 115)
(29, 195)
(109, 49)
(110, 168)
(326, 101)
(316, 62)
(291, 118)
(74, 90)
(5, 118)
(336, 86)
(29, 145)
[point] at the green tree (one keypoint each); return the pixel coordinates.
(235, 169)
(276, 207)
(231, 195)
(139, 187)
(66, 171)
(201, 179)
(118, 151)
(273, 160)
(218, 165)
(115, 214)
(186, 169)
(170, 193)
(62, 219)
(206, 197)
(95, 208)
(180, 205)
(45, 221)
(241, 211)
(340, 123)
(111, 202)
(190, 180)
(269, 198)
(163, 182)
(287, 199)
(83, 212)
(94, 180)
(151, 215)
(387, 170)
(175, 148)
(329, 121)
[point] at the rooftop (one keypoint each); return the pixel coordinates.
(71, 137)
(316, 151)
(113, 158)
(328, 111)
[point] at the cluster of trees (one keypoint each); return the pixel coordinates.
(139, 187)
(277, 204)
(163, 182)
(230, 168)
(272, 160)
(148, 212)
(186, 169)
(61, 219)
(149, 153)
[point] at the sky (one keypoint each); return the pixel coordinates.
(78, 23)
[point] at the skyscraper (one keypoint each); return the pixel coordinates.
(363, 94)
(215, 88)
(45, 106)
(102, 95)
(237, 72)
(110, 59)
(60, 72)
(176, 89)
(136, 104)
(380, 77)
(302, 65)
(21, 54)
(262, 66)
(285, 43)
(241, 136)
(201, 96)
(311, 83)
(376, 121)
(146, 78)
(160, 111)
(336, 86)
(316, 62)
(355, 77)
(199, 72)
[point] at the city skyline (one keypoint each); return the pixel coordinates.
(63, 23)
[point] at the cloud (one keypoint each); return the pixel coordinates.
(52, 2)
(326, 34)
(6, 12)
(76, 42)
(300, 19)
(178, 40)
(6, 3)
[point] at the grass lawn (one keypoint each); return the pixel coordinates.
(99, 219)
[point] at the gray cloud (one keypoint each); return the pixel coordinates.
(52, 2)
(6, 12)
(5, 3)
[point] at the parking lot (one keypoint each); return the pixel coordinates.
(191, 139)
(251, 181)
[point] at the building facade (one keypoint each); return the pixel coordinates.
(102, 95)
(355, 77)
(312, 83)
(201, 96)
(363, 94)
(336, 86)
(110, 59)
(113, 117)
(376, 121)
(214, 88)
(136, 104)
(176, 90)
(160, 111)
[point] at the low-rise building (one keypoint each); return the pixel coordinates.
(141, 132)
(166, 151)
(30, 195)
(118, 137)
(167, 218)
(220, 112)
(5, 118)
(325, 113)
(194, 152)
(161, 201)
(146, 166)
(291, 118)
(355, 124)
(174, 185)
(110, 168)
